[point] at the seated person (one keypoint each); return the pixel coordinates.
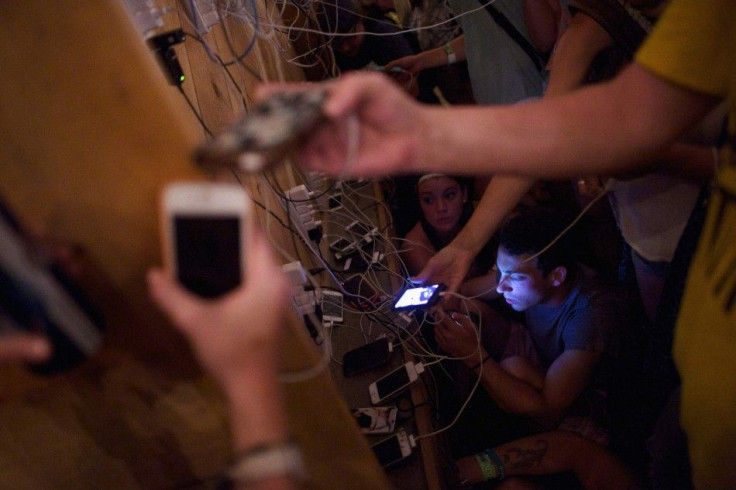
(445, 208)
(556, 369)
(348, 22)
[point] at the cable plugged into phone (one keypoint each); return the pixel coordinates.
(303, 296)
(303, 213)
(395, 448)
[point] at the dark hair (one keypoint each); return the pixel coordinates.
(484, 258)
(339, 16)
(532, 229)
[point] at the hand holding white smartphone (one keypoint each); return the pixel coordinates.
(204, 235)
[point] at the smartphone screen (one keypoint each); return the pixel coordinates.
(208, 253)
(366, 357)
(419, 296)
(332, 307)
(393, 449)
(392, 382)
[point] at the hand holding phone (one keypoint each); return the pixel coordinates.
(204, 228)
(267, 133)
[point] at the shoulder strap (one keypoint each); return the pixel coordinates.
(523, 43)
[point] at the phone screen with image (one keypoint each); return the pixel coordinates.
(419, 296)
(208, 253)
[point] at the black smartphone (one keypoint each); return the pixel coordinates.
(366, 357)
(419, 297)
(394, 449)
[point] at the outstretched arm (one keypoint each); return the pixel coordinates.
(236, 338)
(606, 128)
(580, 43)
(451, 264)
(542, 19)
(430, 58)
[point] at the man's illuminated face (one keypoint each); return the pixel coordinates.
(521, 283)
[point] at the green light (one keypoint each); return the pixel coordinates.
(182, 78)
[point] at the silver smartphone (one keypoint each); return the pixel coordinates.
(394, 382)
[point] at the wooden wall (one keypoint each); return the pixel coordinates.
(90, 131)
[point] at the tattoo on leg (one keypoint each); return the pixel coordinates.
(527, 456)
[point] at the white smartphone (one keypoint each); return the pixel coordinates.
(204, 235)
(376, 420)
(332, 306)
(394, 448)
(394, 382)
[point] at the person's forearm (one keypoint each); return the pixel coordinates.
(559, 451)
(574, 54)
(257, 414)
(693, 162)
(483, 287)
(542, 18)
(438, 56)
(499, 199)
(512, 394)
(458, 45)
(606, 128)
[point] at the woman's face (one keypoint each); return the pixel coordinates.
(441, 199)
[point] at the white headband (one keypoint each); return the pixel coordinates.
(429, 176)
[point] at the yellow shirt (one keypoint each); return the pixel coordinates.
(694, 45)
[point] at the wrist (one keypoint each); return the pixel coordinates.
(275, 462)
(474, 363)
(256, 411)
(450, 53)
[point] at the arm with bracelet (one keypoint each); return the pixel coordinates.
(242, 356)
(448, 54)
(549, 453)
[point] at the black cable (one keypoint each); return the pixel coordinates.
(194, 110)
